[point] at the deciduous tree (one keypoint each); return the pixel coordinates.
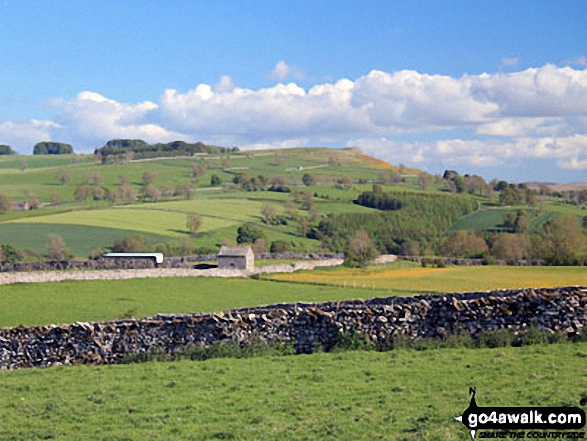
(193, 222)
(56, 248)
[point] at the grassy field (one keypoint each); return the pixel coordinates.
(161, 221)
(493, 218)
(67, 302)
(410, 278)
(81, 240)
(397, 395)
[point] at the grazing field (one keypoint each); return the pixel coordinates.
(402, 394)
(492, 219)
(142, 219)
(414, 279)
(67, 302)
(80, 239)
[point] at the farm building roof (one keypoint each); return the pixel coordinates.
(234, 251)
(157, 256)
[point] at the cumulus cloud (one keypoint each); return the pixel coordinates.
(90, 119)
(283, 71)
(23, 135)
(566, 152)
(535, 113)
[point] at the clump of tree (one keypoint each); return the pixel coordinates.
(246, 182)
(511, 247)
(215, 180)
(422, 218)
(378, 199)
(118, 150)
(8, 254)
(280, 246)
(464, 243)
(278, 185)
(308, 180)
(564, 242)
(471, 184)
(6, 150)
(52, 148)
(512, 194)
(250, 234)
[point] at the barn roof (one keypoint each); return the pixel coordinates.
(234, 251)
(157, 256)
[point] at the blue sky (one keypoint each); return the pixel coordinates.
(493, 88)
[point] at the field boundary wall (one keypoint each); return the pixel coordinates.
(307, 326)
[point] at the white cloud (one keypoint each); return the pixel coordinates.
(225, 85)
(283, 71)
(91, 119)
(23, 135)
(510, 61)
(567, 152)
(548, 91)
(534, 113)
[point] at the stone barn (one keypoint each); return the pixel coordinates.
(240, 258)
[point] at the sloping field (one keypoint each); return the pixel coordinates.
(146, 220)
(453, 279)
(398, 395)
(80, 239)
(493, 218)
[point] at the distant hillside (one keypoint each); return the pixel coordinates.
(570, 186)
(297, 199)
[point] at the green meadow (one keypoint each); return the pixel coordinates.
(493, 218)
(397, 395)
(80, 239)
(70, 301)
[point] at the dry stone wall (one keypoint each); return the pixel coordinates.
(306, 326)
(121, 274)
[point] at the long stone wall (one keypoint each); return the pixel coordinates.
(120, 274)
(306, 326)
(168, 262)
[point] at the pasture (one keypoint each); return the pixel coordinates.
(402, 394)
(80, 239)
(492, 219)
(71, 301)
(404, 277)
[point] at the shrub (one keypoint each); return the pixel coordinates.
(130, 244)
(5, 203)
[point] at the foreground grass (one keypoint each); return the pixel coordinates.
(453, 279)
(402, 394)
(67, 302)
